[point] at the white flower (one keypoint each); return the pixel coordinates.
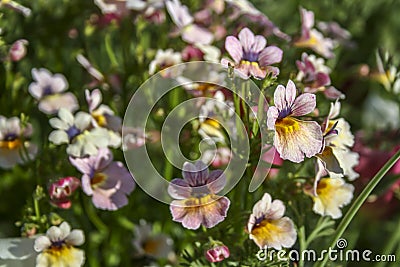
(57, 247)
(268, 228)
(48, 90)
(13, 142)
(150, 244)
(76, 132)
(165, 59)
(331, 195)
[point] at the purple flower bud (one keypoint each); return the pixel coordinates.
(18, 50)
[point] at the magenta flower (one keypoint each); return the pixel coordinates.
(61, 190)
(109, 183)
(294, 138)
(217, 253)
(251, 57)
(197, 200)
(18, 50)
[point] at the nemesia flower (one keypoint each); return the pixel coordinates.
(336, 156)
(17, 7)
(57, 247)
(190, 32)
(102, 115)
(331, 195)
(13, 142)
(136, 137)
(251, 57)
(148, 243)
(18, 50)
(48, 90)
(315, 76)
(152, 10)
(163, 60)
(75, 131)
(311, 38)
(337, 33)
(294, 138)
(268, 228)
(218, 157)
(107, 181)
(217, 253)
(61, 190)
(96, 74)
(196, 201)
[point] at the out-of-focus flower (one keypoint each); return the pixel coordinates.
(251, 57)
(57, 247)
(102, 115)
(96, 74)
(268, 228)
(190, 52)
(336, 157)
(190, 32)
(196, 201)
(17, 7)
(61, 190)
(163, 60)
(18, 50)
(217, 253)
(107, 181)
(294, 138)
(315, 76)
(387, 74)
(331, 195)
(75, 131)
(148, 243)
(218, 157)
(337, 33)
(48, 90)
(311, 38)
(152, 10)
(14, 143)
(244, 7)
(271, 156)
(135, 137)
(213, 111)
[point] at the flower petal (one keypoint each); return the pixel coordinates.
(246, 38)
(259, 44)
(196, 174)
(215, 212)
(179, 189)
(58, 137)
(42, 243)
(270, 55)
(304, 104)
(234, 48)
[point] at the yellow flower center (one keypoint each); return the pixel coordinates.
(100, 119)
(14, 144)
(323, 188)
(266, 231)
(151, 246)
(98, 179)
(287, 125)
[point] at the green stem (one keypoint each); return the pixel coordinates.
(359, 201)
(110, 52)
(302, 243)
(37, 209)
(94, 218)
(390, 245)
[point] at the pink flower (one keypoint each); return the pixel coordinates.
(108, 182)
(61, 190)
(311, 38)
(251, 57)
(294, 138)
(197, 203)
(217, 253)
(18, 50)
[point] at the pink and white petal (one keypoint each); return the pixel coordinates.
(270, 55)
(215, 212)
(322, 79)
(257, 72)
(35, 90)
(54, 233)
(262, 206)
(272, 116)
(196, 174)
(273, 70)
(75, 238)
(243, 70)
(280, 98)
(179, 189)
(307, 18)
(291, 92)
(216, 181)
(259, 43)
(42, 243)
(333, 93)
(58, 83)
(226, 62)
(276, 210)
(65, 230)
(52, 103)
(119, 199)
(304, 104)
(194, 34)
(86, 186)
(102, 199)
(234, 48)
(102, 159)
(246, 38)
